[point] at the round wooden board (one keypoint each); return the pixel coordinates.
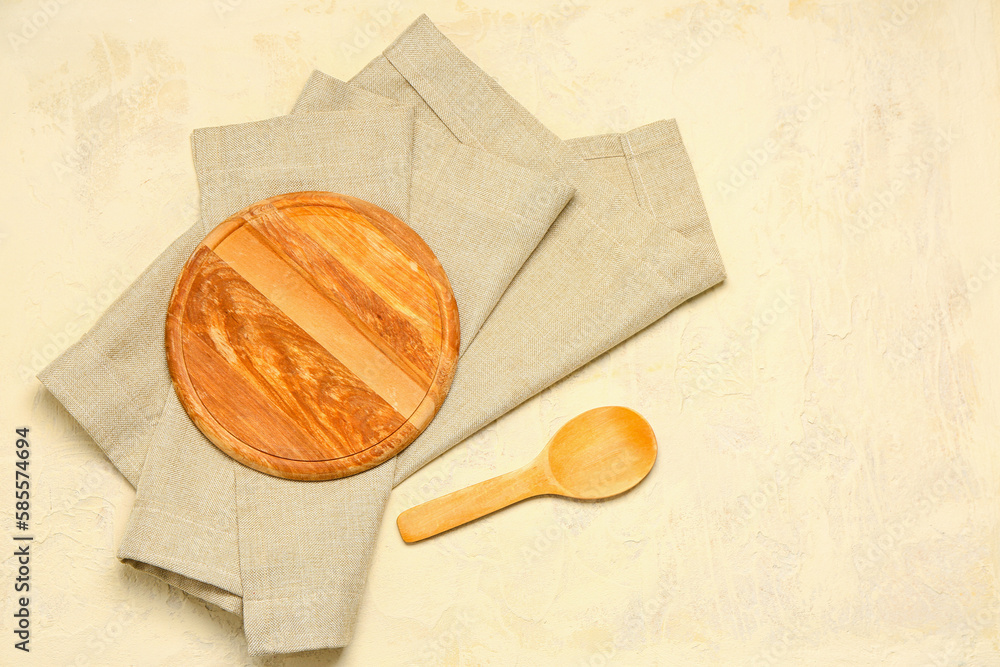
(312, 336)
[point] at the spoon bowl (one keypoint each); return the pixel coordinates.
(598, 454)
(601, 453)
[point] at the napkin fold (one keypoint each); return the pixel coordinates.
(542, 286)
(606, 268)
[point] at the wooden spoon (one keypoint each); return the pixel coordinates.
(598, 454)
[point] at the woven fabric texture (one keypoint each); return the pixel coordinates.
(556, 251)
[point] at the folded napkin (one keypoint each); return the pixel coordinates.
(542, 287)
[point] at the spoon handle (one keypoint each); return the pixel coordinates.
(472, 502)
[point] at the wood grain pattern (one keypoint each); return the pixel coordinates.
(376, 289)
(597, 454)
(312, 336)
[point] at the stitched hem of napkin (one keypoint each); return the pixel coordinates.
(423, 47)
(207, 592)
(356, 97)
(640, 140)
(150, 551)
(675, 257)
(661, 142)
(638, 182)
(352, 98)
(659, 147)
(270, 625)
(630, 146)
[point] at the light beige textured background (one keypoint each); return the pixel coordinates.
(826, 491)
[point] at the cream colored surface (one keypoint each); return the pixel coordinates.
(826, 486)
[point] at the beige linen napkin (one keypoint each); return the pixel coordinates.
(612, 263)
(483, 218)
